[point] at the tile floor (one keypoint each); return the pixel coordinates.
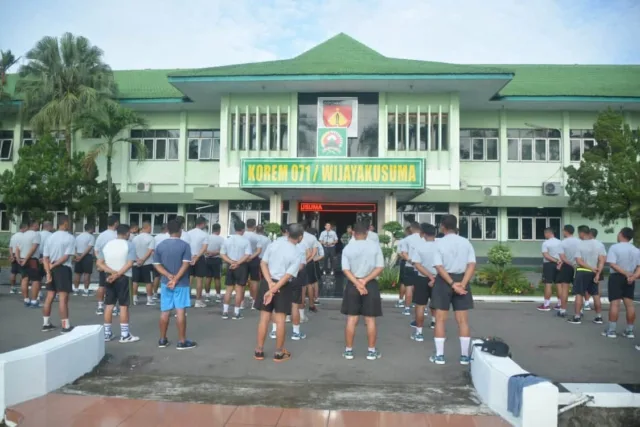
(59, 410)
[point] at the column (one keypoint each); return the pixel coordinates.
(504, 152)
(223, 217)
(566, 143)
(17, 140)
(454, 209)
(390, 205)
(275, 207)
(503, 225)
(182, 150)
(292, 126)
(124, 213)
(383, 133)
(224, 147)
(293, 211)
(182, 210)
(454, 142)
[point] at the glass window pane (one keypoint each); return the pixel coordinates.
(284, 136)
(161, 149)
(527, 149)
(478, 149)
(476, 227)
(575, 133)
(160, 133)
(215, 152)
(491, 228)
(191, 220)
(575, 150)
(408, 218)
(205, 149)
(251, 215)
(438, 219)
(541, 224)
(554, 150)
(147, 217)
(264, 217)
(134, 218)
(425, 218)
(554, 223)
(463, 227)
(234, 217)
(173, 149)
(391, 132)
(513, 149)
(158, 220)
(148, 145)
(541, 149)
(465, 148)
(492, 149)
(193, 149)
(512, 229)
(588, 144)
(206, 134)
(527, 228)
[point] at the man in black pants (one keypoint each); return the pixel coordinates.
(328, 239)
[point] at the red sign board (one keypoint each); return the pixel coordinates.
(337, 207)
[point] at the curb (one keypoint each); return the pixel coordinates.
(601, 395)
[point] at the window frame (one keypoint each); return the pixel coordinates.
(8, 141)
(471, 135)
(533, 136)
(4, 217)
(534, 220)
(29, 135)
(278, 138)
(154, 138)
(581, 139)
(258, 214)
(153, 214)
(215, 139)
(483, 223)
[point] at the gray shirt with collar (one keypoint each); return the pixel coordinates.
(282, 257)
(625, 256)
(361, 257)
(454, 253)
(235, 247)
(58, 245)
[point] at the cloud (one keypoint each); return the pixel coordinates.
(202, 33)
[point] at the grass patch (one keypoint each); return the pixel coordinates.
(4, 262)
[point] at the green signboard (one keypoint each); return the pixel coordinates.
(398, 173)
(332, 142)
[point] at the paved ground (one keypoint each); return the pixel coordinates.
(221, 370)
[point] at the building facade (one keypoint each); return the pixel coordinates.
(342, 132)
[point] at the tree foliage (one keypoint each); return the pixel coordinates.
(606, 186)
(7, 60)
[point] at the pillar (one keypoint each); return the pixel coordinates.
(503, 147)
(225, 136)
(293, 211)
(503, 225)
(223, 217)
(390, 209)
(275, 207)
(454, 143)
(124, 213)
(182, 150)
(454, 209)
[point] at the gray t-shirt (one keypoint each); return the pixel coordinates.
(58, 245)
(570, 246)
(105, 237)
(197, 239)
(282, 257)
(625, 255)
(373, 236)
(454, 253)
(235, 247)
(409, 243)
(302, 252)
(361, 257)
(26, 241)
(215, 242)
(13, 242)
(44, 235)
(263, 243)
(253, 239)
(328, 238)
(84, 241)
(424, 254)
(143, 242)
(589, 251)
(159, 238)
(553, 247)
(309, 240)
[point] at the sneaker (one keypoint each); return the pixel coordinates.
(598, 320)
(373, 355)
(406, 311)
(27, 304)
(299, 336)
(48, 328)
(316, 301)
(163, 343)
(400, 304)
(313, 309)
(413, 324)
(225, 315)
(200, 304)
(186, 345)
(76, 292)
(207, 298)
(287, 319)
(432, 325)
(413, 305)
(587, 307)
(258, 355)
(87, 293)
(238, 316)
(66, 330)
(558, 307)
(426, 311)
(417, 337)
(465, 360)
(282, 357)
(438, 360)
(561, 314)
(129, 338)
(108, 337)
(609, 334)
(100, 311)
(135, 300)
(348, 354)
(628, 334)
(575, 320)
(13, 290)
(34, 304)
(543, 307)
(151, 303)
(116, 311)
(638, 347)
(272, 334)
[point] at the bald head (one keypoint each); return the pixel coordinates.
(295, 231)
(47, 225)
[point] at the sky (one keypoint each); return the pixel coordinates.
(138, 34)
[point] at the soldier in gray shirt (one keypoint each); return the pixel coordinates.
(551, 250)
(328, 239)
(214, 262)
(143, 267)
(84, 259)
(279, 265)
(422, 256)
(15, 266)
(105, 237)
(624, 265)
(236, 251)
(587, 297)
(28, 250)
(566, 270)
(455, 262)
(362, 263)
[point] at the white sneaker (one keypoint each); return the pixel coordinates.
(304, 319)
(200, 304)
(151, 302)
(135, 300)
(287, 319)
(272, 334)
(207, 298)
(129, 338)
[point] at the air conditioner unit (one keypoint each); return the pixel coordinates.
(551, 188)
(491, 191)
(143, 187)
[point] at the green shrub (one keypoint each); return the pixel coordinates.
(389, 278)
(272, 230)
(507, 280)
(384, 239)
(500, 255)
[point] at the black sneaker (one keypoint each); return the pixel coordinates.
(238, 316)
(598, 320)
(48, 328)
(163, 343)
(313, 309)
(186, 345)
(225, 315)
(66, 330)
(282, 357)
(575, 320)
(561, 314)
(258, 355)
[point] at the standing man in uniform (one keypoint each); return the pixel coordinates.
(45, 233)
(566, 270)
(254, 260)
(297, 286)
(58, 254)
(184, 234)
(317, 261)
(172, 259)
(199, 242)
(328, 239)
(372, 235)
(158, 238)
(590, 259)
(310, 242)
(410, 273)
(144, 244)
(455, 263)
(116, 259)
(587, 297)
(214, 262)
(235, 251)
(105, 237)
(551, 251)
(347, 236)
(362, 263)
(279, 265)
(422, 257)
(624, 265)
(84, 259)
(14, 259)
(28, 250)
(401, 247)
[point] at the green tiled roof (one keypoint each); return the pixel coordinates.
(145, 84)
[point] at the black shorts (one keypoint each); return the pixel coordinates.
(237, 277)
(85, 265)
(214, 267)
(102, 279)
(565, 274)
(281, 301)
(142, 274)
(117, 292)
(310, 270)
(369, 305)
(33, 270)
(299, 282)
(199, 269)
(422, 291)
(619, 287)
(410, 276)
(550, 272)
(254, 269)
(401, 276)
(583, 283)
(443, 297)
(15, 268)
(61, 279)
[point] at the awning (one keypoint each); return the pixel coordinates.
(450, 196)
(526, 201)
(223, 193)
(152, 198)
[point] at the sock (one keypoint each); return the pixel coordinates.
(86, 291)
(419, 330)
(563, 311)
(348, 349)
(612, 327)
(107, 329)
(372, 349)
(629, 328)
(274, 327)
(236, 310)
(124, 329)
(27, 300)
(34, 301)
(464, 346)
(65, 323)
(100, 304)
(301, 311)
(46, 320)
(296, 329)
(439, 346)
(400, 301)
(225, 308)
(546, 302)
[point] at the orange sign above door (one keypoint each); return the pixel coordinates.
(336, 207)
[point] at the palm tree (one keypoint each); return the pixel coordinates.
(63, 79)
(111, 124)
(7, 60)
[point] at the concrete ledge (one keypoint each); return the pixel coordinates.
(602, 395)
(36, 370)
(490, 376)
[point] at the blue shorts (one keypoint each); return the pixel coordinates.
(176, 298)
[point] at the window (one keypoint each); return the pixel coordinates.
(29, 137)
(477, 223)
(6, 144)
(203, 144)
(529, 223)
(4, 218)
(208, 212)
(156, 215)
(403, 129)
(273, 135)
(242, 211)
(533, 145)
(479, 145)
(581, 140)
(430, 213)
(159, 144)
